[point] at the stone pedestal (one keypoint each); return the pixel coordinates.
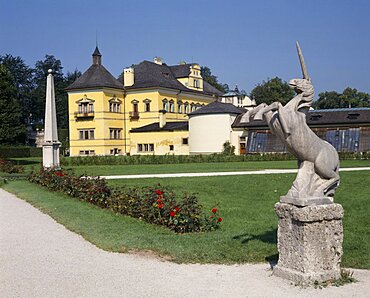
(50, 155)
(309, 242)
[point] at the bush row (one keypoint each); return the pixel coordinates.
(154, 205)
(20, 151)
(169, 159)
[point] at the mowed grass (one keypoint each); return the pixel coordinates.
(248, 232)
(198, 167)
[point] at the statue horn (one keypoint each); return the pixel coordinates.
(301, 60)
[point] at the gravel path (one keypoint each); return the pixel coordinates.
(257, 172)
(40, 258)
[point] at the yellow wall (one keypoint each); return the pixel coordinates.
(103, 120)
(162, 141)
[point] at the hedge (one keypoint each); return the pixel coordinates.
(20, 151)
(175, 159)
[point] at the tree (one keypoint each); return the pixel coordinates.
(22, 76)
(11, 129)
(61, 98)
(350, 98)
(228, 149)
(273, 90)
(212, 79)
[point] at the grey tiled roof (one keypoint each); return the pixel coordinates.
(95, 76)
(170, 126)
(217, 108)
(181, 71)
(329, 117)
(149, 74)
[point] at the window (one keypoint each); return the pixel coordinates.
(179, 107)
(114, 107)
(171, 106)
(165, 105)
(171, 147)
(115, 133)
(134, 115)
(186, 108)
(185, 141)
(193, 107)
(196, 83)
(115, 151)
(85, 105)
(147, 105)
(87, 152)
(145, 147)
(86, 134)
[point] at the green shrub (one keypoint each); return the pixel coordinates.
(154, 205)
(20, 151)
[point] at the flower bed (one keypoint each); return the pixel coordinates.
(156, 205)
(10, 167)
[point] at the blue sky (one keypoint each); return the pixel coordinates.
(243, 42)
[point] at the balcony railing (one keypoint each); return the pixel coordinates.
(134, 115)
(84, 114)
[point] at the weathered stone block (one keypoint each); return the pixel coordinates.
(309, 242)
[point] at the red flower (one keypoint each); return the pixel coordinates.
(172, 213)
(211, 217)
(159, 201)
(219, 219)
(160, 206)
(177, 209)
(59, 174)
(214, 210)
(159, 192)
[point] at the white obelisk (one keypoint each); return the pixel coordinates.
(50, 147)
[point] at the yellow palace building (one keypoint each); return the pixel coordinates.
(142, 112)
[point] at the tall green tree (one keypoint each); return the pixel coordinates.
(12, 131)
(212, 79)
(22, 76)
(272, 90)
(61, 98)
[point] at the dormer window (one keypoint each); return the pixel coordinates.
(315, 117)
(115, 105)
(353, 115)
(196, 84)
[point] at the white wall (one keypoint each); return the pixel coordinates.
(207, 133)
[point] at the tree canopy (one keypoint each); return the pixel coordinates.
(12, 131)
(273, 90)
(349, 98)
(212, 79)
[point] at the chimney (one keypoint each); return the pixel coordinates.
(162, 118)
(158, 60)
(129, 76)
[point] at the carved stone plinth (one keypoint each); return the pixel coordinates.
(309, 242)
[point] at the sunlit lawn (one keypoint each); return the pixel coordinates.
(248, 232)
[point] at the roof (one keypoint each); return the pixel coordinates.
(182, 70)
(322, 117)
(96, 76)
(170, 126)
(217, 107)
(150, 74)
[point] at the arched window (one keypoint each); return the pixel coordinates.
(171, 106)
(165, 105)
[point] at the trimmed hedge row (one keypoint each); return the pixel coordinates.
(20, 151)
(175, 159)
(169, 159)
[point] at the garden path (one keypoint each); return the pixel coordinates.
(41, 258)
(258, 172)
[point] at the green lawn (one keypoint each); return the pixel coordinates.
(248, 232)
(200, 167)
